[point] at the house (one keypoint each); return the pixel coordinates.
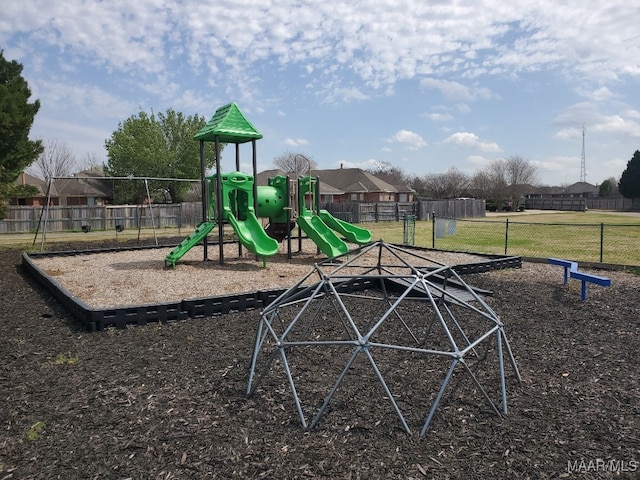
(350, 185)
(40, 197)
(405, 193)
(581, 190)
(358, 185)
(89, 188)
(576, 190)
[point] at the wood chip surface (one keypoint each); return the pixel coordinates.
(139, 277)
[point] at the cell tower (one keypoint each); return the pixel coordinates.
(583, 163)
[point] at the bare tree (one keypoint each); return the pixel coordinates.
(419, 185)
(498, 191)
(521, 175)
(91, 163)
(457, 183)
(451, 184)
(390, 173)
(504, 182)
(481, 184)
(292, 162)
(57, 160)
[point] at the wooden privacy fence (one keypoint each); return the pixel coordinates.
(73, 218)
(357, 212)
(566, 204)
(580, 204)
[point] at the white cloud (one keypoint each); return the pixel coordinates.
(371, 163)
(438, 117)
(92, 61)
(479, 161)
(471, 140)
(295, 142)
(623, 124)
(378, 42)
(602, 94)
(456, 91)
(412, 140)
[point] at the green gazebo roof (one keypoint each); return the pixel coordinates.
(229, 125)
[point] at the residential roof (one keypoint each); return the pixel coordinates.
(390, 179)
(353, 180)
(26, 179)
(84, 187)
(325, 189)
(581, 187)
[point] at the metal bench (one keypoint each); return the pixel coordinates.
(571, 271)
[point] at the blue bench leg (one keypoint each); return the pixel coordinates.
(583, 294)
(566, 275)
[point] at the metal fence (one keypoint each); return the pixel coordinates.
(599, 243)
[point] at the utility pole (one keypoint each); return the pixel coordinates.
(583, 163)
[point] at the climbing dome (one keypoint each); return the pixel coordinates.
(387, 323)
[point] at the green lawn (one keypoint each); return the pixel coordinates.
(571, 235)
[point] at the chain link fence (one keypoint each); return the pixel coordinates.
(603, 243)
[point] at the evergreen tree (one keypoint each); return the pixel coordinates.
(629, 185)
(17, 152)
(606, 187)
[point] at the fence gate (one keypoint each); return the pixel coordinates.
(409, 230)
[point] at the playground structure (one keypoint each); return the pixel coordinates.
(393, 307)
(234, 199)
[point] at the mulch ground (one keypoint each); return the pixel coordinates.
(169, 401)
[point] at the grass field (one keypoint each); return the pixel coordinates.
(577, 236)
(572, 235)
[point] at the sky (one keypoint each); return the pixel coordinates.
(422, 85)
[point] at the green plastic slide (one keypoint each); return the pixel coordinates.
(349, 231)
(177, 253)
(252, 235)
(322, 236)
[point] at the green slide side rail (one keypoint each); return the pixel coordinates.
(252, 235)
(349, 231)
(177, 253)
(322, 236)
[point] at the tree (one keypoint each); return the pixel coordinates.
(292, 162)
(520, 175)
(57, 160)
(91, 163)
(607, 187)
(419, 186)
(451, 184)
(497, 175)
(17, 152)
(390, 173)
(160, 146)
(481, 184)
(629, 185)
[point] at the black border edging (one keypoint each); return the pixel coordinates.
(96, 319)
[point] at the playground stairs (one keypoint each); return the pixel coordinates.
(196, 237)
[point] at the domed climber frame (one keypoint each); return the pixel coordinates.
(382, 312)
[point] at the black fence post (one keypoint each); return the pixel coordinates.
(433, 229)
(506, 237)
(601, 241)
